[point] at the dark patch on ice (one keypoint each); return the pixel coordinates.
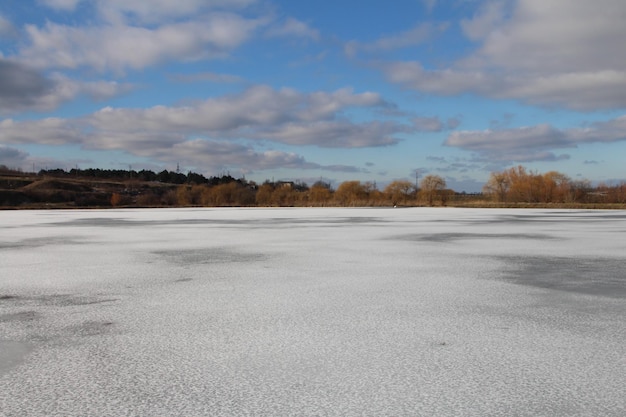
(8, 297)
(65, 300)
(537, 216)
(260, 223)
(58, 300)
(21, 316)
(98, 221)
(12, 354)
(350, 220)
(448, 237)
(41, 241)
(91, 328)
(183, 280)
(594, 276)
(208, 256)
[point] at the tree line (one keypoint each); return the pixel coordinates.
(515, 185)
(294, 194)
(519, 185)
(225, 190)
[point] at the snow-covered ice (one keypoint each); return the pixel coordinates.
(313, 312)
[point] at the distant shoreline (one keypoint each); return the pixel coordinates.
(31, 191)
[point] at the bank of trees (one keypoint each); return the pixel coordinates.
(516, 185)
(293, 194)
(519, 185)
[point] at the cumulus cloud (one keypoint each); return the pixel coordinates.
(160, 10)
(148, 12)
(343, 168)
(120, 47)
(23, 88)
(540, 136)
(546, 53)
(6, 28)
(207, 129)
(412, 37)
(576, 90)
(101, 89)
(12, 157)
(227, 155)
(260, 112)
(559, 36)
(335, 134)
(428, 124)
(482, 23)
(434, 124)
(48, 131)
(168, 148)
(65, 5)
(291, 27)
(535, 143)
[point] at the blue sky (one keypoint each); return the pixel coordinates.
(340, 90)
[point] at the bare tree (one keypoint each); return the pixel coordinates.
(400, 191)
(351, 193)
(431, 186)
(498, 185)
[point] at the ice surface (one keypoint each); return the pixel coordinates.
(313, 312)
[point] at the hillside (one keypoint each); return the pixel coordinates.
(44, 191)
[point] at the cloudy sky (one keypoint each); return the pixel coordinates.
(366, 90)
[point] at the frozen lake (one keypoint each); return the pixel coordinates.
(313, 312)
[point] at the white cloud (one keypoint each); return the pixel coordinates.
(65, 5)
(221, 155)
(434, 124)
(291, 27)
(559, 36)
(6, 28)
(12, 157)
(209, 133)
(334, 134)
(120, 47)
(412, 37)
(523, 144)
(22, 88)
(575, 90)
(48, 131)
(446, 82)
(101, 90)
(207, 129)
(533, 137)
(169, 148)
(483, 22)
(155, 11)
(428, 124)
(557, 53)
(241, 114)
